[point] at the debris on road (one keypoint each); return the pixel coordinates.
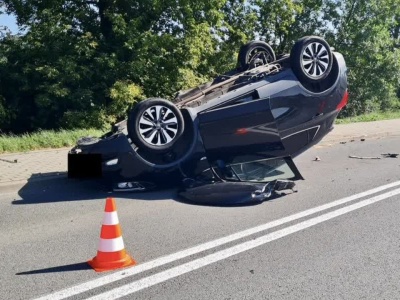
(9, 161)
(343, 142)
(317, 158)
(364, 157)
(362, 140)
(393, 155)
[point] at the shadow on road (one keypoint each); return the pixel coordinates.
(66, 268)
(61, 188)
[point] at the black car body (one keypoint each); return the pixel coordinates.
(244, 127)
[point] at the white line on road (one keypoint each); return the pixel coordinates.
(223, 254)
(86, 286)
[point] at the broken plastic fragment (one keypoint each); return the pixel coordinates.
(393, 155)
(364, 157)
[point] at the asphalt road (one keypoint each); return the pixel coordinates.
(304, 245)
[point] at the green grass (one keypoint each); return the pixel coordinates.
(376, 116)
(44, 139)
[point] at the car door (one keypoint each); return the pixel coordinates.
(240, 130)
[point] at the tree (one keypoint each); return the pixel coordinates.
(75, 53)
(84, 63)
(363, 32)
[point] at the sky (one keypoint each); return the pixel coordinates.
(9, 21)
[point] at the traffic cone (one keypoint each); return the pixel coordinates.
(111, 253)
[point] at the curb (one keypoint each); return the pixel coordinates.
(35, 151)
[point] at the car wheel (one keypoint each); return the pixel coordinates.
(155, 125)
(255, 53)
(311, 59)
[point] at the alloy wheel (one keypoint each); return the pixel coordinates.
(158, 125)
(315, 60)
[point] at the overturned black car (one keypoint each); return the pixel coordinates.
(230, 139)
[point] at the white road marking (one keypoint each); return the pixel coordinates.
(89, 285)
(223, 254)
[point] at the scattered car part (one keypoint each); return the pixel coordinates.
(364, 157)
(272, 187)
(9, 161)
(392, 155)
(229, 193)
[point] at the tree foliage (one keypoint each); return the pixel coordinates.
(84, 63)
(364, 34)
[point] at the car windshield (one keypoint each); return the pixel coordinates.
(259, 170)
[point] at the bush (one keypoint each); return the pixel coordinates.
(123, 95)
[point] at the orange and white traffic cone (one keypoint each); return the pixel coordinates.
(111, 253)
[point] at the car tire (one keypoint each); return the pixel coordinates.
(311, 59)
(252, 51)
(155, 125)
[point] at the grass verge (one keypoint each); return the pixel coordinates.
(376, 116)
(43, 139)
